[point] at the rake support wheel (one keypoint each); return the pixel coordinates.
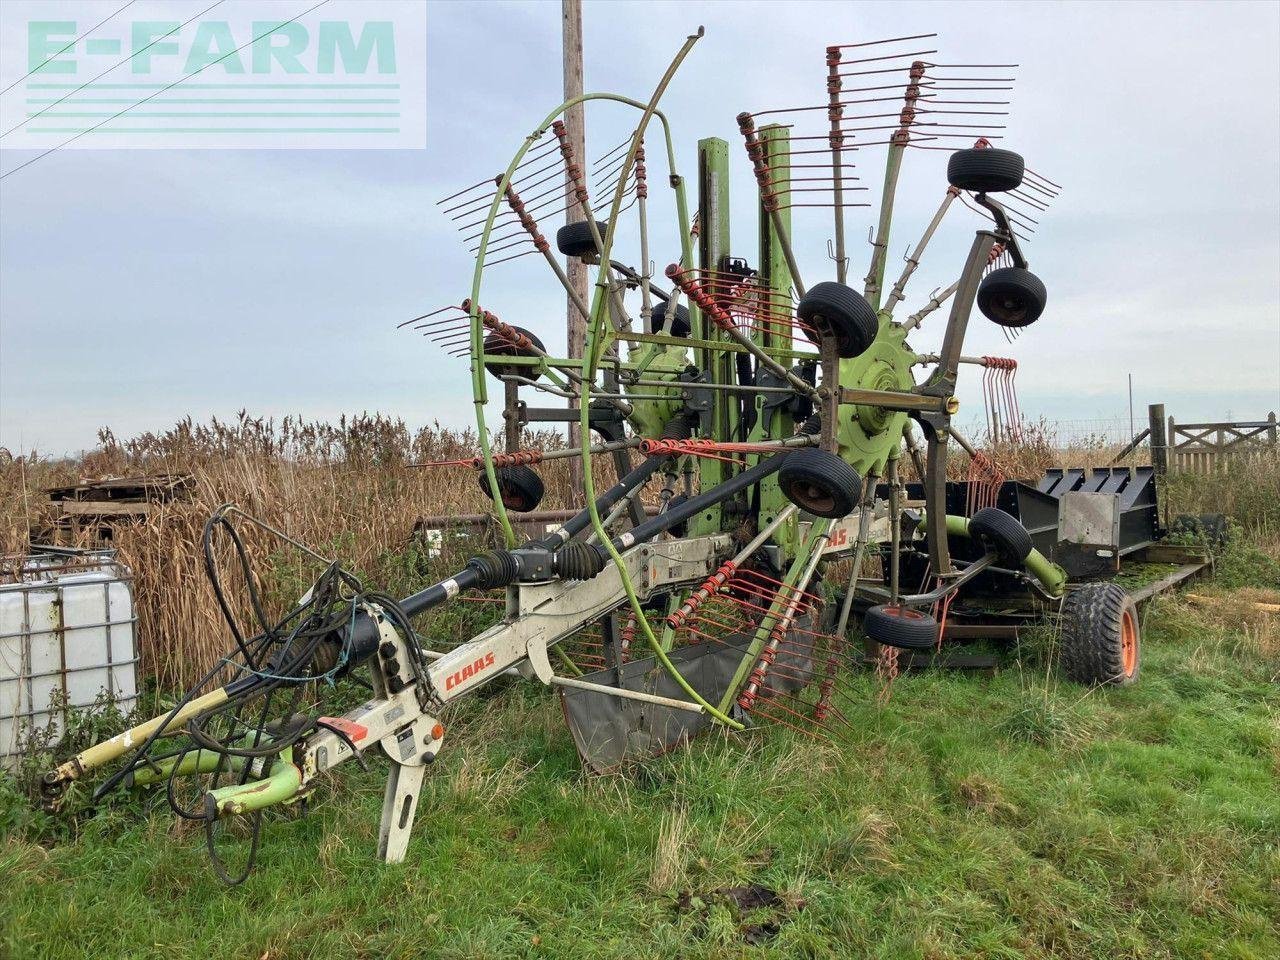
(820, 483)
(576, 240)
(832, 309)
(501, 346)
(985, 170)
(900, 627)
(1101, 639)
(1001, 532)
(679, 323)
(520, 487)
(1012, 297)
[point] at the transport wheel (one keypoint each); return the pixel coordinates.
(985, 170)
(503, 347)
(679, 325)
(1012, 297)
(575, 239)
(520, 487)
(832, 309)
(1101, 640)
(819, 482)
(1001, 532)
(900, 627)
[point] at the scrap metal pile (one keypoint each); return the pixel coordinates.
(756, 422)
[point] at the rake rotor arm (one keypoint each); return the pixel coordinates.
(937, 424)
(1004, 230)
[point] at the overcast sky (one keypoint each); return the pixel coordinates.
(137, 287)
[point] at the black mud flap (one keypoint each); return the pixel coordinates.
(611, 731)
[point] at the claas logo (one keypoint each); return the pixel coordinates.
(469, 671)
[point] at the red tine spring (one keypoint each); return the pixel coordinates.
(526, 220)
(755, 151)
(707, 589)
(571, 168)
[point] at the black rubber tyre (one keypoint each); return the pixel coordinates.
(820, 483)
(832, 309)
(985, 170)
(503, 347)
(575, 239)
(1001, 532)
(679, 325)
(900, 627)
(521, 488)
(1101, 638)
(1012, 297)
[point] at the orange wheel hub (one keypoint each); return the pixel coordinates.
(1129, 643)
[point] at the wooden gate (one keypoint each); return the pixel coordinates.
(1210, 447)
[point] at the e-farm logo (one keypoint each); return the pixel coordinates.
(300, 74)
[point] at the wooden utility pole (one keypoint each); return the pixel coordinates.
(577, 270)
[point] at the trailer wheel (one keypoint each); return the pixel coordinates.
(679, 325)
(900, 627)
(575, 239)
(831, 309)
(985, 170)
(1101, 639)
(1012, 297)
(502, 346)
(1001, 532)
(520, 487)
(819, 482)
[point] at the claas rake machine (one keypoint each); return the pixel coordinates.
(760, 429)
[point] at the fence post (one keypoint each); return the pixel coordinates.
(1271, 429)
(1159, 442)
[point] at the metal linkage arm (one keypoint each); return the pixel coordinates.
(942, 383)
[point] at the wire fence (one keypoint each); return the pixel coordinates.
(1097, 432)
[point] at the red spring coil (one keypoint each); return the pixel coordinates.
(516, 458)
(571, 168)
(709, 587)
(651, 448)
(698, 294)
(755, 151)
(628, 634)
(526, 219)
(642, 181)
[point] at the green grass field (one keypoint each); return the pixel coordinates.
(1005, 816)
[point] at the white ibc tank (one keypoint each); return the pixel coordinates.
(66, 636)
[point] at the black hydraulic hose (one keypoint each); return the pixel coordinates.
(604, 503)
(683, 511)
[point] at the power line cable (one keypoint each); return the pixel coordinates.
(58, 53)
(87, 83)
(162, 89)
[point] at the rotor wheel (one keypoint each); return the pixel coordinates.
(820, 483)
(1101, 636)
(1001, 532)
(576, 239)
(679, 323)
(502, 346)
(985, 170)
(1012, 297)
(521, 489)
(902, 627)
(832, 309)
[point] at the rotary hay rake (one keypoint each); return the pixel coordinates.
(756, 426)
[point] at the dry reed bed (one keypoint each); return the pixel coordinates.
(351, 491)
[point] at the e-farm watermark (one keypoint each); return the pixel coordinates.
(296, 74)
